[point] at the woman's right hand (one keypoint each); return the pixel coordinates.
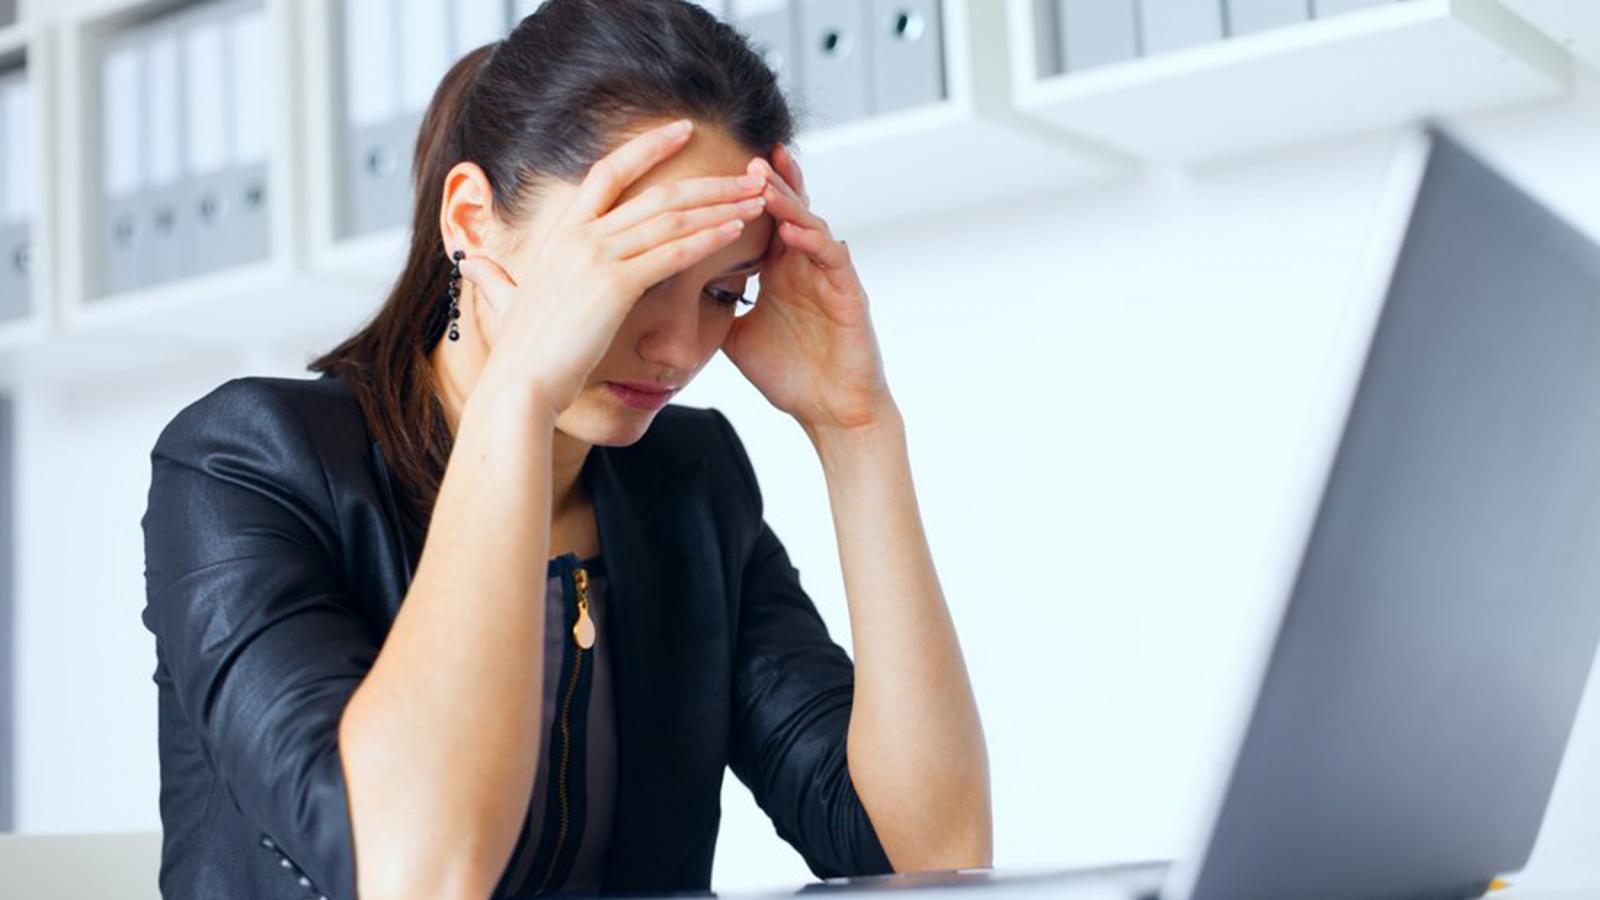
(546, 336)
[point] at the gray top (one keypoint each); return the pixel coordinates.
(591, 782)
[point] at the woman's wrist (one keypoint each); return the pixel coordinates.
(516, 404)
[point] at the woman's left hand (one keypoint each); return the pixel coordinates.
(808, 343)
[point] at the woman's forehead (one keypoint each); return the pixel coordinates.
(710, 151)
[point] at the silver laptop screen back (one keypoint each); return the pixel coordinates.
(1445, 615)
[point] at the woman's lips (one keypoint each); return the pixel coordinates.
(636, 398)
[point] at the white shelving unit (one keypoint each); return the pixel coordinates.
(967, 149)
(23, 45)
(1575, 23)
(266, 301)
(1006, 128)
(367, 263)
(970, 148)
(1351, 73)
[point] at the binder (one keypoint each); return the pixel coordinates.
(125, 262)
(769, 26)
(1250, 16)
(252, 103)
(206, 125)
(18, 198)
(1335, 7)
(424, 28)
(1166, 25)
(833, 61)
(375, 187)
(1096, 32)
(474, 23)
(906, 53)
(171, 219)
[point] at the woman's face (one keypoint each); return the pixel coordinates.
(678, 324)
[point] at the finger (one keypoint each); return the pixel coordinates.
(821, 248)
(789, 168)
(492, 281)
(674, 224)
(785, 205)
(661, 263)
(777, 183)
(685, 194)
(611, 175)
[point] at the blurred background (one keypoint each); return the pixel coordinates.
(1114, 252)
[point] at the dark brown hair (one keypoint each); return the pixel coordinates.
(549, 100)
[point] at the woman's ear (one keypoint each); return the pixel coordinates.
(467, 215)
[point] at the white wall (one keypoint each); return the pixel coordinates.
(1115, 399)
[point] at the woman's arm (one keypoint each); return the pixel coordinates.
(916, 746)
(440, 742)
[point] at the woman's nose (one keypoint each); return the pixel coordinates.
(672, 338)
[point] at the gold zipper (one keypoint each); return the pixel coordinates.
(583, 634)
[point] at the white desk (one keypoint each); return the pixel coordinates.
(1038, 883)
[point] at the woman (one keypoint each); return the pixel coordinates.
(466, 616)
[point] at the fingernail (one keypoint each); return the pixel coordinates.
(754, 203)
(680, 127)
(753, 181)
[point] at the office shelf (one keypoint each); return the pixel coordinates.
(1575, 23)
(31, 48)
(1350, 73)
(370, 262)
(967, 149)
(262, 300)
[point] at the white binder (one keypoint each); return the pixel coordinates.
(21, 163)
(124, 243)
(474, 23)
(906, 53)
(1096, 32)
(1250, 16)
(833, 61)
(252, 99)
(170, 216)
(206, 127)
(424, 32)
(18, 197)
(1166, 25)
(371, 73)
(770, 27)
(375, 188)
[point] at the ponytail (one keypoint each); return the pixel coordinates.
(386, 363)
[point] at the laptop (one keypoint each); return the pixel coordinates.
(1440, 626)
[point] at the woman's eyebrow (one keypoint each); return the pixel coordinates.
(749, 263)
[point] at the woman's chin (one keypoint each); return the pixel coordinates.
(603, 421)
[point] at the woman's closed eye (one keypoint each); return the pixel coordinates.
(727, 297)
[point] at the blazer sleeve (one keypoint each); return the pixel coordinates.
(262, 649)
(793, 692)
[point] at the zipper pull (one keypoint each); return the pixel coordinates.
(583, 632)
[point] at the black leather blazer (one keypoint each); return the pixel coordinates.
(275, 564)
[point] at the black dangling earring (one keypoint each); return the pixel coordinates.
(455, 292)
